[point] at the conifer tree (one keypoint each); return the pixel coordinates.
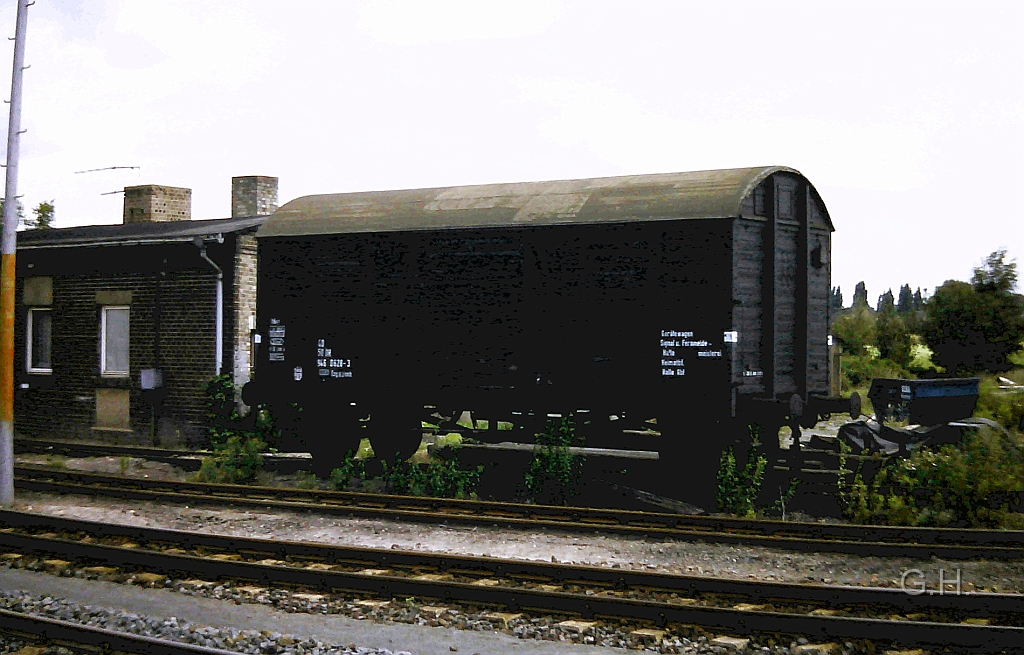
(835, 302)
(905, 305)
(860, 295)
(886, 301)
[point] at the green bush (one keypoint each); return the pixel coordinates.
(237, 457)
(977, 483)
(237, 461)
(221, 412)
(856, 328)
(1005, 406)
(738, 487)
(554, 472)
(352, 469)
(859, 370)
(439, 480)
(977, 326)
(921, 358)
(893, 339)
(858, 501)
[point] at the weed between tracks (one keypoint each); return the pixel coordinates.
(445, 479)
(739, 486)
(237, 451)
(551, 478)
(554, 472)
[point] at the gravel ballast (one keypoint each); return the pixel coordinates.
(173, 629)
(202, 610)
(269, 641)
(334, 619)
(597, 549)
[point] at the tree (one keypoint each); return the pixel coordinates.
(835, 301)
(977, 326)
(918, 300)
(860, 295)
(906, 301)
(886, 301)
(44, 216)
(893, 338)
(996, 275)
(20, 210)
(855, 329)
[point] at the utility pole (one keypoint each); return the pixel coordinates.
(8, 247)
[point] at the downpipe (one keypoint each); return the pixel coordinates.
(220, 304)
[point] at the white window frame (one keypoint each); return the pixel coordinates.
(103, 342)
(28, 341)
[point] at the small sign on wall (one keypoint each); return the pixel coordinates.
(151, 378)
(276, 336)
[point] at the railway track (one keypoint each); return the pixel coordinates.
(45, 631)
(859, 540)
(189, 461)
(970, 621)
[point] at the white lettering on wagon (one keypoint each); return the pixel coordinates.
(673, 354)
(329, 365)
(275, 349)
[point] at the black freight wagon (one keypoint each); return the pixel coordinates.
(697, 298)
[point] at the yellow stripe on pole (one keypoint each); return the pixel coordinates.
(7, 273)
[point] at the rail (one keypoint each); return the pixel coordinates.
(879, 541)
(968, 620)
(90, 639)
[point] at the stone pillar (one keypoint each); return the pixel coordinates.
(245, 307)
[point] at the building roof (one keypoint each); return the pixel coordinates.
(134, 233)
(692, 195)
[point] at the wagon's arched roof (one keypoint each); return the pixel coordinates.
(693, 195)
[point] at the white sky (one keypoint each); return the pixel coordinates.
(908, 117)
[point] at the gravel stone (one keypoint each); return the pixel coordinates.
(226, 638)
(612, 551)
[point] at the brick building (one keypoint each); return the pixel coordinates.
(118, 328)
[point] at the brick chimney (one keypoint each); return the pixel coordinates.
(253, 195)
(154, 203)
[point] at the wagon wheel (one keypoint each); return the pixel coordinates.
(395, 431)
(328, 437)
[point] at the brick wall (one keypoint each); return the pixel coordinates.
(63, 404)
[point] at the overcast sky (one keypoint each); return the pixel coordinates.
(908, 117)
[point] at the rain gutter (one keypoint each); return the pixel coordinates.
(122, 242)
(201, 244)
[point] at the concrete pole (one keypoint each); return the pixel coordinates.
(8, 247)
